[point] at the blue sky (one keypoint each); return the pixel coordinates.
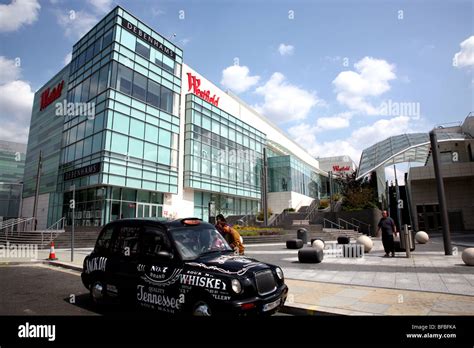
(322, 70)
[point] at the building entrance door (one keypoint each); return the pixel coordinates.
(429, 218)
(149, 210)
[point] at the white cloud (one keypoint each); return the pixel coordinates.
(16, 100)
(101, 6)
(9, 71)
(18, 13)
(338, 121)
(68, 58)
(12, 131)
(237, 78)
(285, 102)
(357, 141)
(76, 23)
(369, 80)
(286, 50)
(465, 57)
(305, 135)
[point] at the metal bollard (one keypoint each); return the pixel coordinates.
(407, 240)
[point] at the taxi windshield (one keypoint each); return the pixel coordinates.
(192, 242)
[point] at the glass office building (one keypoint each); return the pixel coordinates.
(119, 133)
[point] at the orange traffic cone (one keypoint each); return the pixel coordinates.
(52, 254)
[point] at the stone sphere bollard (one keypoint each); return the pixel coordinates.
(468, 256)
(422, 237)
(366, 242)
(318, 243)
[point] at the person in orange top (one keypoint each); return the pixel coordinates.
(230, 234)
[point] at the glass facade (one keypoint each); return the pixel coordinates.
(12, 166)
(45, 136)
(287, 173)
(133, 131)
(222, 155)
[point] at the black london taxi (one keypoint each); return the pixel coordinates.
(180, 266)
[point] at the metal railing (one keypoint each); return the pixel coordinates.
(20, 232)
(347, 223)
(313, 207)
(245, 218)
(41, 238)
(339, 227)
(58, 225)
(276, 219)
(369, 232)
(17, 224)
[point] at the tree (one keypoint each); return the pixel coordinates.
(357, 194)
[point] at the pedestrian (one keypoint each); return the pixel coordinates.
(387, 225)
(230, 234)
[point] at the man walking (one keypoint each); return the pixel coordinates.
(387, 225)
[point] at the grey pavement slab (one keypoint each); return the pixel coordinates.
(375, 308)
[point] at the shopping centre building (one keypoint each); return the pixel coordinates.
(130, 131)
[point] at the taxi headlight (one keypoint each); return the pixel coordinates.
(236, 286)
(279, 273)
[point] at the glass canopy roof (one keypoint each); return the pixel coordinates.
(402, 148)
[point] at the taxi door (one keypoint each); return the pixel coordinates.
(158, 271)
(126, 252)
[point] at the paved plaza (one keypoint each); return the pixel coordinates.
(428, 283)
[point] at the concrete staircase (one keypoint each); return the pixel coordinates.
(84, 237)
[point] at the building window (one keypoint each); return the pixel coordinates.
(142, 50)
(164, 156)
(135, 148)
(107, 38)
(166, 99)
(139, 86)
(153, 95)
(97, 46)
(164, 138)
(124, 80)
(90, 53)
(94, 85)
(119, 143)
(85, 90)
(164, 66)
(103, 78)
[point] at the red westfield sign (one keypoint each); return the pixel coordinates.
(340, 169)
(48, 97)
(194, 83)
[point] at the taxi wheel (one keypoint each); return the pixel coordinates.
(97, 292)
(201, 309)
